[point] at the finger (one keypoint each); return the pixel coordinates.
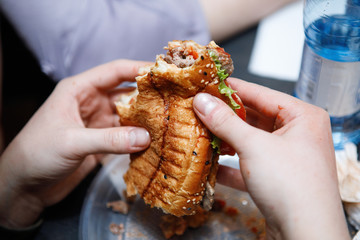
(264, 100)
(116, 94)
(116, 120)
(231, 177)
(111, 74)
(118, 91)
(222, 121)
(109, 140)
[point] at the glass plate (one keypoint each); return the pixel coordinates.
(142, 222)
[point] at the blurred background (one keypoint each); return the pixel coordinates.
(25, 86)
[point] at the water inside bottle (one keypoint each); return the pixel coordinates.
(337, 38)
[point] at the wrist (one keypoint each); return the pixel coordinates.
(19, 212)
(18, 209)
(301, 222)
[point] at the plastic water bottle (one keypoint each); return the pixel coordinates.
(330, 69)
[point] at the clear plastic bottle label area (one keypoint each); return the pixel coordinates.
(332, 85)
(330, 70)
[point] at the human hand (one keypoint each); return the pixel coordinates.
(286, 157)
(57, 148)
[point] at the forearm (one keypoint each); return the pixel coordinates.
(228, 17)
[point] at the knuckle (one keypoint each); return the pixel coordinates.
(67, 138)
(316, 118)
(320, 114)
(324, 118)
(68, 142)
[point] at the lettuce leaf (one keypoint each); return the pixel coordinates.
(225, 90)
(216, 144)
(228, 92)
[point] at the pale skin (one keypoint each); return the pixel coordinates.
(286, 159)
(64, 141)
(229, 17)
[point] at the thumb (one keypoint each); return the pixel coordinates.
(222, 121)
(109, 140)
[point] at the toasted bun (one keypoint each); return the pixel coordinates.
(177, 173)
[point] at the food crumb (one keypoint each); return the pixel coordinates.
(171, 225)
(231, 211)
(116, 229)
(218, 205)
(118, 206)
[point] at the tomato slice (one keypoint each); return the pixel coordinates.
(240, 111)
(225, 148)
(192, 52)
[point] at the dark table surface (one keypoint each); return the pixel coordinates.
(62, 220)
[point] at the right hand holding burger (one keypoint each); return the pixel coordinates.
(287, 160)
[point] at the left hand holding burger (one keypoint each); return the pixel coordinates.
(57, 148)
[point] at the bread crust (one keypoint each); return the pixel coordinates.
(172, 174)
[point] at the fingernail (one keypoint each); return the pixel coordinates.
(205, 103)
(139, 137)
